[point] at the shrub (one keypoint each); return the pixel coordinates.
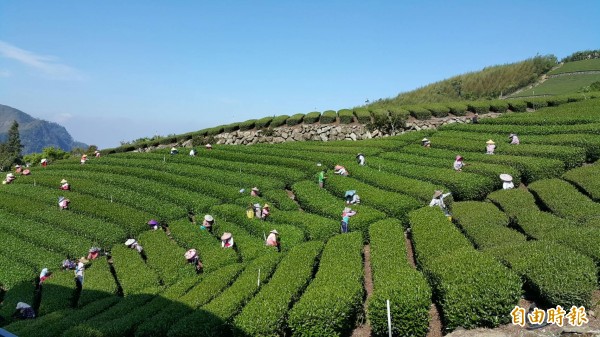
(328, 117)
(585, 179)
(536, 103)
(480, 107)
(499, 106)
(133, 274)
(363, 115)
(265, 314)
(279, 121)
(294, 119)
(247, 125)
(457, 109)
(263, 122)
(396, 280)
(565, 200)
(315, 226)
(346, 116)
(165, 256)
(438, 110)
(312, 117)
(231, 127)
(517, 106)
(418, 112)
(332, 300)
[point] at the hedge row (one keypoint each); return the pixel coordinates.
(418, 112)
(289, 235)
(479, 107)
(247, 246)
(327, 117)
(395, 280)
(317, 200)
(312, 117)
(165, 257)
(265, 314)
(133, 274)
(213, 319)
(464, 185)
(58, 292)
(484, 224)
(457, 109)
(98, 284)
(164, 192)
(520, 206)
(439, 110)
(294, 120)
(18, 280)
(316, 227)
(211, 285)
(95, 230)
(586, 179)
(545, 266)
(248, 125)
(472, 288)
(332, 300)
(42, 235)
(531, 168)
(499, 106)
(492, 171)
(279, 121)
(393, 204)
(27, 253)
(263, 122)
(363, 115)
(209, 249)
(565, 200)
(577, 113)
(346, 116)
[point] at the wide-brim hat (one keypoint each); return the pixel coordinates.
(346, 210)
(266, 206)
(44, 272)
(208, 146)
(129, 242)
(512, 135)
(255, 189)
(60, 199)
(94, 250)
(83, 260)
(274, 232)
(360, 154)
(437, 193)
(337, 167)
(256, 205)
(152, 222)
(9, 175)
(242, 190)
(459, 158)
(96, 151)
(319, 164)
(190, 254)
(17, 166)
(44, 160)
(208, 217)
(226, 236)
(506, 177)
(64, 181)
(350, 192)
(26, 172)
(490, 142)
(424, 140)
(85, 155)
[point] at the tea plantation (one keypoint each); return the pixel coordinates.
(539, 240)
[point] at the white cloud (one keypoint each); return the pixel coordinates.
(48, 65)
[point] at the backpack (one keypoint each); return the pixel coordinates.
(250, 214)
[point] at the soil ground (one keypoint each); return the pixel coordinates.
(364, 329)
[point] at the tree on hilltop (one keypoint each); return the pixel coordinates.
(10, 152)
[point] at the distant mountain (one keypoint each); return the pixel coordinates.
(36, 134)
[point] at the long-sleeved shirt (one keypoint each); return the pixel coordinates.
(515, 140)
(458, 164)
(490, 149)
(272, 240)
(507, 185)
(439, 201)
(227, 243)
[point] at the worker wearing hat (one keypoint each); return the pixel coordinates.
(273, 240)
(346, 214)
(153, 224)
(97, 154)
(83, 158)
(255, 192)
(64, 185)
(339, 169)
(514, 140)
(361, 159)
(44, 162)
(63, 203)
(192, 257)
(227, 240)
(18, 168)
(208, 223)
(174, 150)
(507, 182)
(24, 311)
(425, 142)
(44, 275)
(9, 178)
(321, 176)
(490, 147)
(438, 200)
(133, 244)
(264, 214)
(93, 253)
(80, 267)
(208, 146)
(351, 197)
(458, 163)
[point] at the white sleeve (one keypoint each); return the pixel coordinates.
(432, 203)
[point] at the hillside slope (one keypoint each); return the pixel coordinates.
(36, 134)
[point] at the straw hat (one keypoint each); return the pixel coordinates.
(208, 146)
(190, 254)
(274, 232)
(255, 189)
(459, 158)
(257, 205)
(64, 181)
(424, 140)
(318, 164)
(490, 142)
(26, 172)
(152, 222)
(337, 167)
(17, 166)
(512, 135)
(360, 154)
(44, 272)
(208, 217)
(242, 190)
(437, 193)
(506, 177)
(9, 175)
(129, 242)
(266, 206)
(226, 236)
(96, 151)
(84, 155)
(83, 260)
(347, 209)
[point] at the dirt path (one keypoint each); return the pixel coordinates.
(364, 330)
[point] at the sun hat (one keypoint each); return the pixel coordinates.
(129, 242)
(512, 135)
(350, 193)
(44, 272)
(490, 142)
(255, 189)
(360, 154)
(266, 206)
(17, 166)
(337, 167)
(60, 199)
(424, 140)
(26, 172)
(242, 190)
(318, 164)
(93, 250)
(437, 193)
(257, 205)
(347, 209)
(152, 222)
(506, 177)
(208, 146)
(208, 217)
(190, 254)
(226, 236)
(64, 181)
(84, 155)
(9, 175)
(459, 157)
(96, 151)
(22, 305)
(274, 232)
(83, 260)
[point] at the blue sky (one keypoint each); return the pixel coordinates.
(112, 71)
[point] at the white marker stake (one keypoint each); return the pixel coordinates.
(389, 318)
(111, 198)
(258, 280)
(33, 182)
(164, 159)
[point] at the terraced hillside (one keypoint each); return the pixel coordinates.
(473, 269)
